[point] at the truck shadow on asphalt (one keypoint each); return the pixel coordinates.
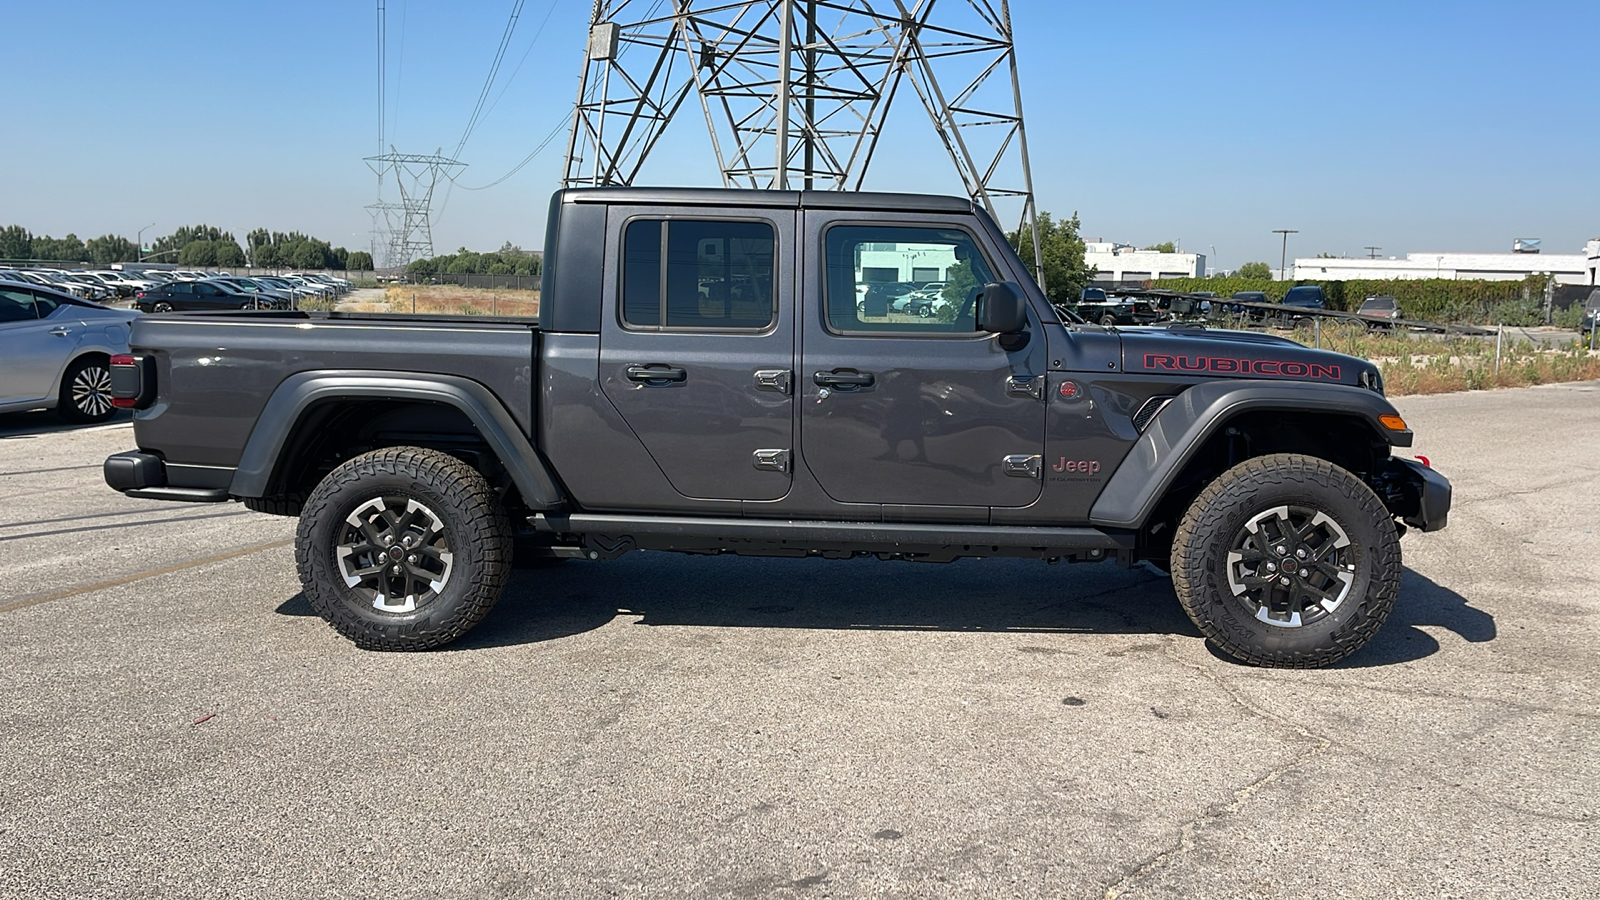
(1004, 596)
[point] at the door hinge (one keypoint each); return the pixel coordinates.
(1021, 465)
(771, 460)
(1026, 386)
(779, 380)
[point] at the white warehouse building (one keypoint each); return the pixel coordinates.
(1568, 268)
(1115, 263)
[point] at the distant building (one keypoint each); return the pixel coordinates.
(1124, 262)
(1568, 268)
(905, 263)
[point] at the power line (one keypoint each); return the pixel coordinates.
(383, 40)
(560, 127)
(494, 69)
(507, 85)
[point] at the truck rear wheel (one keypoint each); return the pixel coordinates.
(1287, 561)
(403, 549)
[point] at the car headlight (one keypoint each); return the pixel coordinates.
(1371, 380)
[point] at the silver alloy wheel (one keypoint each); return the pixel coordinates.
(393, 553)
(163, 307)
(91, 391)
(1291, 566)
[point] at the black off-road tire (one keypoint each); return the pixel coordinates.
(1108, 320)
(461, 524)
(85, 394)
(1262, 627)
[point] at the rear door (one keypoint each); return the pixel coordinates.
(902, 409)
(697, 346)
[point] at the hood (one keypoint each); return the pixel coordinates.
(1237, 354)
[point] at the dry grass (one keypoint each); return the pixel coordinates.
(451, 300)
(1423, 365)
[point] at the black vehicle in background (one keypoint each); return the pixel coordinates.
(197, 295)
(1306, 296)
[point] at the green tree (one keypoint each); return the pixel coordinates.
(359, 261)
(228, 253)
(16, 242)
(1254, 270)
(111, 248)
(1065, 272)
(1163, 247)
(198, 253)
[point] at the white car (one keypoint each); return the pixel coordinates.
(57, 351)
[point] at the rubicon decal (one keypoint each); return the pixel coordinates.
(1230, 365)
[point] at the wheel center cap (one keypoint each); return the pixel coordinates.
(396, 552)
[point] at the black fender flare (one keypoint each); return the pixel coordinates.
(1185, 424)
(301, 391)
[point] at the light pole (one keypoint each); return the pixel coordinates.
(1283, 261)
(139, 251)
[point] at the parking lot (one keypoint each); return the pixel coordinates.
(178, 723)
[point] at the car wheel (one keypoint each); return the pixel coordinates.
(1108, 320)
(86, 391)
(403, 548)
(1287, 561)
(163, 307)
(925, 310)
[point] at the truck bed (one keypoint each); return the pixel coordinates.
(216, 371)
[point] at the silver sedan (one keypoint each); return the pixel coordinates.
(55, 352)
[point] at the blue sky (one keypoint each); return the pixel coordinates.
(1410, 125)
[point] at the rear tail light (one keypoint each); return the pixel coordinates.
(138, 295)
(133, 381)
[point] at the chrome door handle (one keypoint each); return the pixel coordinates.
(59, 331)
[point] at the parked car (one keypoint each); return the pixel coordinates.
(191, 295)
(275, 297)
(57, 351)
(1591, 311)
(1381, 310)
(1305, 296)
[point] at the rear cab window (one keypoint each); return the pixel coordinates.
(681, 274)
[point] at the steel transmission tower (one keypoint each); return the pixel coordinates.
(415, 177)
(795, 93)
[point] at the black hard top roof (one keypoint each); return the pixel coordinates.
(791, 199)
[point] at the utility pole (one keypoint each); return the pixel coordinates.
(1372, 252)
(1283, 261)
(795, 93)
(139, 251)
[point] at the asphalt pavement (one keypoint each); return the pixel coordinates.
(178, 723)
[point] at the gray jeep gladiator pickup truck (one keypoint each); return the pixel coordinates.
(704, 376)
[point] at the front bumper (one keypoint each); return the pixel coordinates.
(1415, 493)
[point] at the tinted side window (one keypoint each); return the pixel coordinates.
(16, 306)
(45, 304)
(717, 274)
(875, 279)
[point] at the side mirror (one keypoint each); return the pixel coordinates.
(1002, 310)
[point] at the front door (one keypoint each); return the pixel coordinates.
(908, 403)
(698, 352)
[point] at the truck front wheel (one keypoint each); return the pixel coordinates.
(403, 549)
(1287, 561)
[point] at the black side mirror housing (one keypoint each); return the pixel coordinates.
(1002, 310)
